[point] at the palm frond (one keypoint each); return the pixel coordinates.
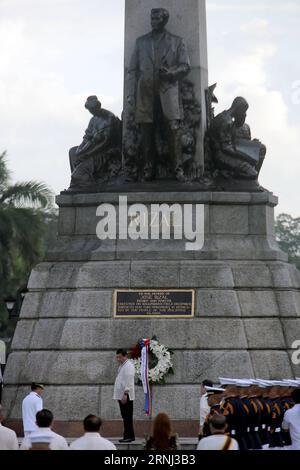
(4, 171)
(30, 193)
(27, 228)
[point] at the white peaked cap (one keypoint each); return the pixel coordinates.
(292, 383)
(227, 381)
(215, 389)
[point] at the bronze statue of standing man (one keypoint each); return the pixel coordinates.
(159, 64)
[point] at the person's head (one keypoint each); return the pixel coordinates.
(37, 388)
(255, 391)
(92, 423)
(231, 391)
(239, 110)
(93, 105)
(206, 383)
(162, 430)
(159, 18)
(121, 356)
(44, 418)
(218, 424)
(296, 396)
(214, 398)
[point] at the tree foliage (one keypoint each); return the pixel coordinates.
(288, 236)
(27, 224)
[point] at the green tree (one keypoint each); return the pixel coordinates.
(25, 210)
(288, 236)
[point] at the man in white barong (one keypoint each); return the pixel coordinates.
(124, 393)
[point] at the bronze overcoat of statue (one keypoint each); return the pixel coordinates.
(159, 64)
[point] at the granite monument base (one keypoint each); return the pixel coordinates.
(247, 310)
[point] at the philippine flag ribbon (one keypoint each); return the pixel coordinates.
(145, 344)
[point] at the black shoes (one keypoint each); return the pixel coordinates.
(126, 441)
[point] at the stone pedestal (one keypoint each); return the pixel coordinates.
(247, 309)
(187, 20)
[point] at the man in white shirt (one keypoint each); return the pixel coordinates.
(204, 406)
(291, 421)
(30, 406)
(124, 393)
(92, 440)
(8, 438)
(44, 438)
(218, 440)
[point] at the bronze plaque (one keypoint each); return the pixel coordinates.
(154, 303)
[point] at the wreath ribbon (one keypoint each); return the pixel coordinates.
(145, 345)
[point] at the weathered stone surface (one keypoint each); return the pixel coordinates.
(15, 368)
(72, 402)
(217, 303)
(80, 303)
(164, 399)
(201, 274)
(61, 368)
(102, 334)
(264, 334)
(192, 367)
(106, 274)
(46, 335)
(154, 274)
(67, 403)
(295, 360)
(273, 364)
(230, 220)
(153, 250)
(109, 409)
(295, 276)
(86, 221)
(39, 276)
(261, 220)
(229, 244)
(96, 368)
(258, 303)
(292, 331)
(12, 400)
(188, 197)
(288, 303)
(30, 306)
(67, 337)
(251, 275)
(167, 398)
(23, 334)
(67, 220)
(81, 275)
(281, 275)
(240, 248)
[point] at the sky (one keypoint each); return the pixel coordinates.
(55, 53)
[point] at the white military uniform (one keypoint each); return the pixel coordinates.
(8, 439)
(2, 352)
(30, 406)
(92, 441)
(45, 435)
(204, 409)
(217, 442)
(125, 381)
(291, 423)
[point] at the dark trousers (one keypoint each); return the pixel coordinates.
(127, 415)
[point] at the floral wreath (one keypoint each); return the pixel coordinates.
(160, 361)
